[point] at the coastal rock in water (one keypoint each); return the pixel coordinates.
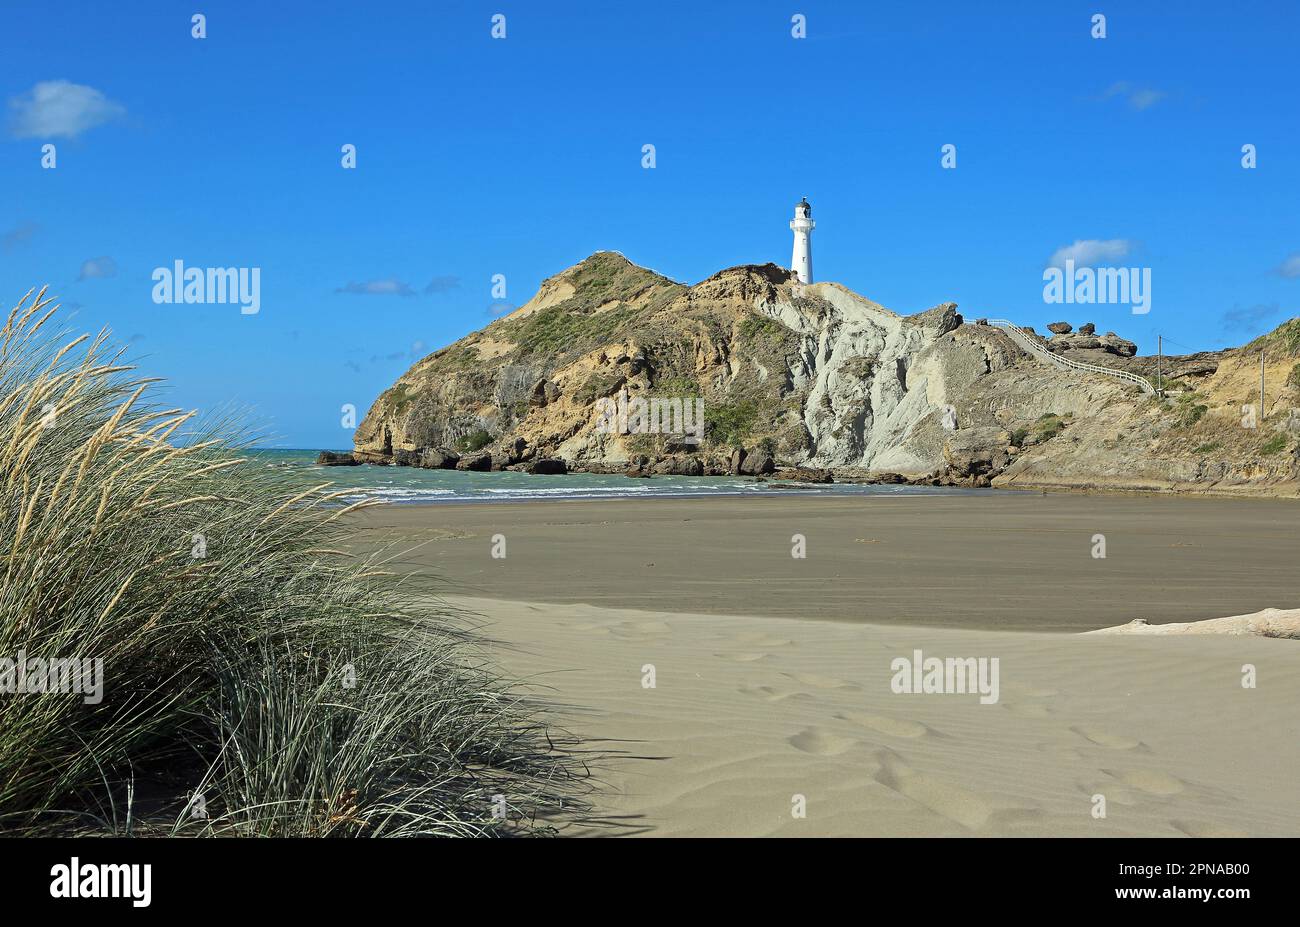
(757, 463)
(804, 475)
(477, 462)
(437, 458)
(546, 466)
(680, 466)
(336, 459)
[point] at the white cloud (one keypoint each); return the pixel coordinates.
(1291, 266)
(1139, 98)
(1090, 251)
(1248, 318)
(98, 268)
(442, 284)
(18, 235)
(60, 108)
(389, 287)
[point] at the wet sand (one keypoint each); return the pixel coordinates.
(995, 560)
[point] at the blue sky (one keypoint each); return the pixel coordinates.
(522, 156)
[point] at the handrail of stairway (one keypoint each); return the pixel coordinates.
(1036, 347)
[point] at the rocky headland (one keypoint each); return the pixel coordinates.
(816, 383)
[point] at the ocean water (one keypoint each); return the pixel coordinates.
(411, 485)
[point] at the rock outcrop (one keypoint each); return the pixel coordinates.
(546, 466)
(1110, 343)
(437, 458)
(336, 459)
(749, 372)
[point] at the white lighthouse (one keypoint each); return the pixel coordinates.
(802, 225)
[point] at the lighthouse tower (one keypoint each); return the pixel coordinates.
(802, 225)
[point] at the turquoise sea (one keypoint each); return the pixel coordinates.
(412, 485)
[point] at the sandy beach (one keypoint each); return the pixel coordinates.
(747, 713)
(994, 560)
(773, 690)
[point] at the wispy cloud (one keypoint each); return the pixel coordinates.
(60, 109)
(17, 235)
(441, 284)
(1290, 268)
(498, 309)
(1087, 252)
(1249, 317)
(1139, 98)
(388, 287)
(98, 268)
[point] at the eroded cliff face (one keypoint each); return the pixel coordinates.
(817, 374)
(796, 375)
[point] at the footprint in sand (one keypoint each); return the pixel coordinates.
(1206, 829)
(818, 681)
(1029, 711)
(625, 630)
(1148, 780)
(772, 693)
(950, 801)
(815, 740)
(894, 727)
(1110, 741)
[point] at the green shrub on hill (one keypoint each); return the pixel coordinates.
(474, 441)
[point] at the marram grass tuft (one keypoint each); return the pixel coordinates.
(256, 681)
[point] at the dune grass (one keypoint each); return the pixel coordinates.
(257, 679)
